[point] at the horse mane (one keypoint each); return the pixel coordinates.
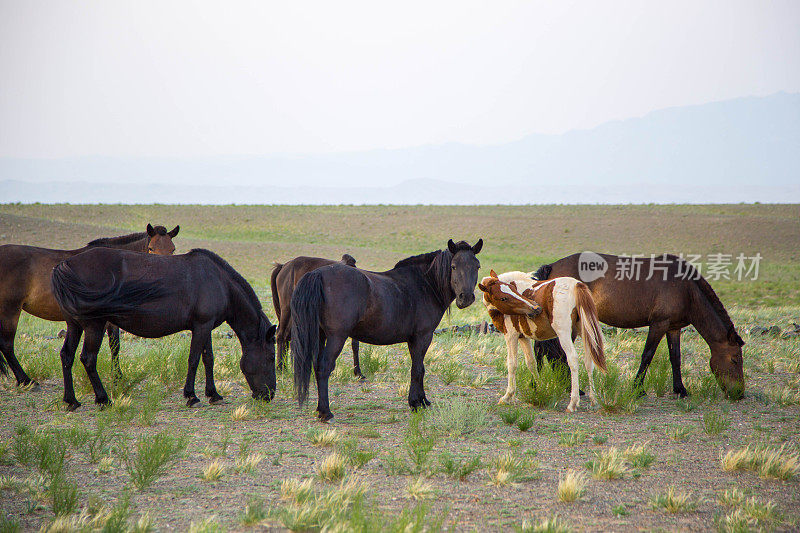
(719, 309)
(421, 259)
(125, 239)
(247, 289)
(438, 271)
(543, 272)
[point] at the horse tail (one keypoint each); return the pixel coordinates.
(273, 283)
(281, 348)
(83, 303)
(590, 325)
(307, 301)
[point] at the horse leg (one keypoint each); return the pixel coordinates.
(356, 363)
(200, 336)
(674, 345)
(8, 330)
(589, 364)
(418, 347)
(654, 336)
(71, 340)
(92, 339)
(333, 347)
(208, 363)
(565, 338)
(512, 339)
(113, 345)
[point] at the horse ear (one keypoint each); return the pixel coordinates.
(271, 331)
(477, 248)
(150, 230)
(493, 273)
(513, 285)
(482, 287)
(174, 232)
(451, 246)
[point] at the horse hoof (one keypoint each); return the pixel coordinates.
(29, 385)
(215, 400)
(682, 393)
(71, 406)
(191, 402)
(359, 375)
(325, 417)
(104, 404)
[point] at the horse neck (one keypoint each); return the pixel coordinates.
(139, 245)
(705, 319)
(242, 316)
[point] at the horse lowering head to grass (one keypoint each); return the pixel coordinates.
(666, 294)
(25, 286)
(559, 309)
(153, 296)
(404, 304)
(284, 278)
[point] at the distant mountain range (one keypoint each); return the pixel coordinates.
(741, 150)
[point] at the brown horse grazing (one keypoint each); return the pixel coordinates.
(25, 285)
(674, 296)
(284, 279)
(153, 296)
(404, 304)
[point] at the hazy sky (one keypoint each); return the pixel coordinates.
(204, 78)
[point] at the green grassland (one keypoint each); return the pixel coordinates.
(466, 464)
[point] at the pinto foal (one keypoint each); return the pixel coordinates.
(523, 309)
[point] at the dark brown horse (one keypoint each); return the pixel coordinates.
(674, 296)
(153, 296)
(404, 304)
(25, 286)
(284, 279)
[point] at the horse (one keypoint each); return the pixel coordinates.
(559, 308)
(284, 278)
(404, 304)
(672, 296)
(153, 296)
(25, 285)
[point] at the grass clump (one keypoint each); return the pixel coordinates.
(714, 422)
(332, 468)
(731, 498)
(153, 455)
(547, 388)
(356, 457)
(767, 461)
(419, 489)
(213, 471)
(457, 417)
(573, 438)
(459, 468)
(639, 456)
(64, 495)
(208, 525)
(615, 394)
(609, 464)
(510, 470)
(553, 524)
(673, 501)
(571, 486)
(248, 463)
(255, 512)
(323, 437)
(240, 413)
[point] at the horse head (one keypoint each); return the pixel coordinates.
(159, 240)
(505, 297)
(464, 271)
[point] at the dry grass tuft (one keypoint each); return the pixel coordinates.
(419, 489)
(571, 486)
(213, 471)
(673, 501)
(332, 468)
(240, 413)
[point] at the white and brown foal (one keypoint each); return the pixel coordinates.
(523, 308)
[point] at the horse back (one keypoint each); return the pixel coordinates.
(635, 297)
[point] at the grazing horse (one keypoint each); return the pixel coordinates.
(559, 308)
(284, 279)
(153, 296)
(404, 304)
(667, 294)
(25, 285)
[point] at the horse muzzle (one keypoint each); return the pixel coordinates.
(465, 300)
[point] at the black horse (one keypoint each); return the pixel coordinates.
(153, 296)
(404, 304)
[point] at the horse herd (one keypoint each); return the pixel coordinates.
(133, 282)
